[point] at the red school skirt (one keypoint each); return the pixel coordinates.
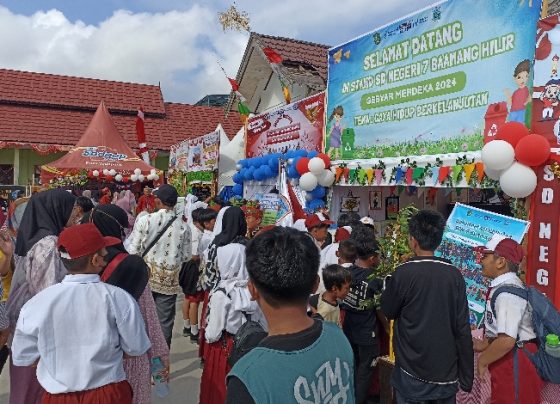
(216, 367)
(201, 340)
(120, 392)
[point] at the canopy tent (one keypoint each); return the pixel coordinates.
(100, 147)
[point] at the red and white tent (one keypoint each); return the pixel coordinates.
(101, 147)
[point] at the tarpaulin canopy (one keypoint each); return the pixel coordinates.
(100, 147)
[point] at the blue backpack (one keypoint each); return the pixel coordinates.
(546, 320)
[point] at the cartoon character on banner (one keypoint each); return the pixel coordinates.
(521, 97)
(549, 98)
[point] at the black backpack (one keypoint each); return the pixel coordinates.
(247, 337)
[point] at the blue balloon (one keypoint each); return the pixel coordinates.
(274, 169)
(318, 192)
(248, 175)
(290, 154)
(238, 178)
(300, 153)
(243, 163)
(312, 153)
(268, 172)
(292, 172)
(316, 204)
(238, 189)
(259, 175)
(273, 162)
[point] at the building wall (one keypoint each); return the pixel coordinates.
(28, 159)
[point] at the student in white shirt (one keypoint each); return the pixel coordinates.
(78, 330)
(507, 330)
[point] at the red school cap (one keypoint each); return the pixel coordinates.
(83, 239)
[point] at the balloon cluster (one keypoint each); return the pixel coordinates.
(311, 168)
(511, 158)
(110, 175)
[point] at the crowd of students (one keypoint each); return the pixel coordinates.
(92, 304)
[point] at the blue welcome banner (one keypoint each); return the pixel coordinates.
(435, 82)
(469, 227)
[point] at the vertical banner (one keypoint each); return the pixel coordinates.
(295, 126)
(434, 82)
(544, 240)
(194, 161)
(469, 227)
(211, 151)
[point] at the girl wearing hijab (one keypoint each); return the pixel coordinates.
(127, 203)
(130, 272)
(228, 298)
(38, 267)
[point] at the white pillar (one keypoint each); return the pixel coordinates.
(16, 166)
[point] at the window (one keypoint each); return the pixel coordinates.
(37, 175)
(6, 174)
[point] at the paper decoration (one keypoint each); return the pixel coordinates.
(408, 176)
(435, 174)
(369, 173)
(480, 171)
(417, 173)
(469, 168)
(378, 176)
(443, 173)
(455, 171)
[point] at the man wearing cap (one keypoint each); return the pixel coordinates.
(166, 256)
(511, 324)
(318, 227)
(146, 203)
(78, 330)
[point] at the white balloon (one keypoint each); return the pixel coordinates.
(316, 165)
(105, 171)
(137, 171)
(518, 181)
(156, 177)
(498, 155)
(118, 177)
(134, 178)
(141, 178)
(153, 171)
(308, 182)
(326, 178)
(290, 161)
(95, 173)
(308, 197)
(493, 174)
(238, 167)
(149, 177)
(112, 172)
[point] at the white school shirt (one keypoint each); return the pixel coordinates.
(205, 240)
(78, 330)
(513, 315)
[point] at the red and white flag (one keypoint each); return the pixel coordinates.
(141, 136)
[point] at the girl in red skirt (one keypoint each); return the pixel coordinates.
(229, 299)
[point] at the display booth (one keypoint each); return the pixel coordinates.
(101, 158)
(193, 164)
(432, 111)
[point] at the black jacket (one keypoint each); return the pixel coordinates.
(427, 298)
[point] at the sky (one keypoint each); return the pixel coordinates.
(174, 43)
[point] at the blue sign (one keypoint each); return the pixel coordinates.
(425, 84)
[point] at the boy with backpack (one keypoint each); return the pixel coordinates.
(283, 265)
(509, 333)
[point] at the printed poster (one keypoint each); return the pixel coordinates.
(178, 156)
(195, 161)
(546, 90)
(211, 150)
(274, 206)
(469, 227)
(438, 81)
(295, 126)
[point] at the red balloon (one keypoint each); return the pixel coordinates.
(301, 165)
(512, 132)
(109, 178)
(325, 158)
(533, 150)
(124, 179)
(90, 174)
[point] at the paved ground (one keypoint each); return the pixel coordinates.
(185, 369)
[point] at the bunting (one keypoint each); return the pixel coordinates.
(443, 174)
(455, 171)
(469, 168)
(408, 176)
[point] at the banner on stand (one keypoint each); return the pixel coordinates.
(274, 207)
(435, 82)
(198, 154)
(295, 126)
(469, 227)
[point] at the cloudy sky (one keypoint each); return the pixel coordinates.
(173, 42)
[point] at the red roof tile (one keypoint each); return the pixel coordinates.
(30, 124)
(40, 89)
(295, 50)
